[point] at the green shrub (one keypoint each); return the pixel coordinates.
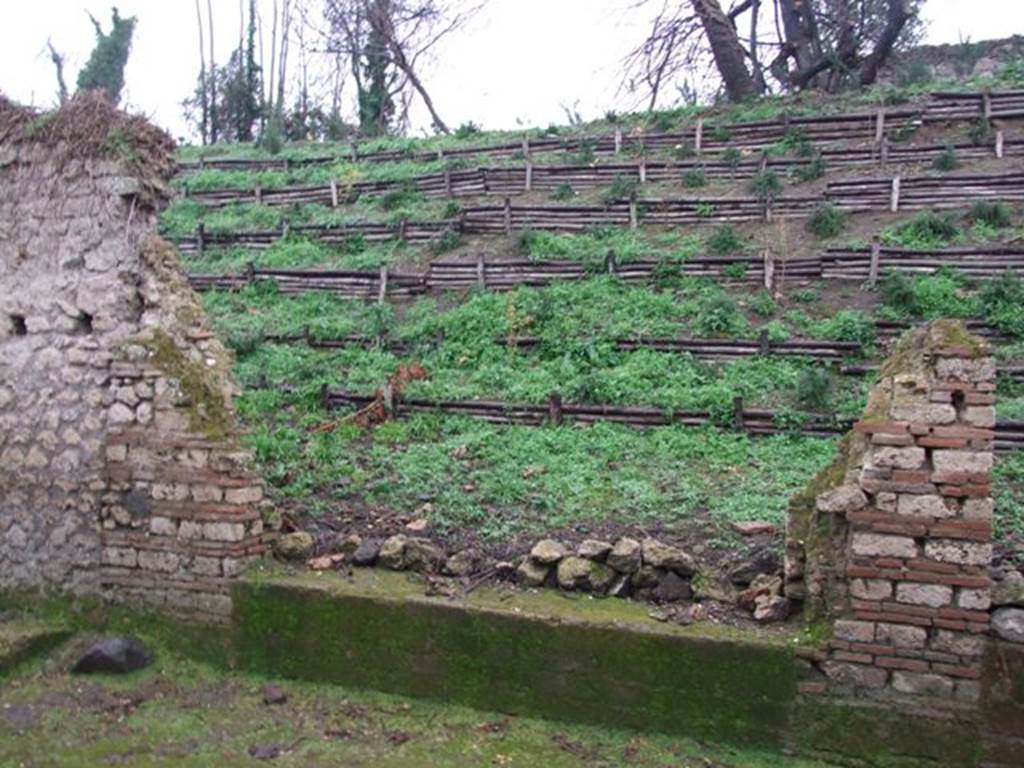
(826, 221)
(468, 130)
(766, 185)
(981, 132)
(718, 315)
(735, 271)
(812, 171)
(941, 294)
(814, 388)
(995, 214)
(805, 296)
(732, 156)
(846, 325)
(1003, 304)
(694, 178)
(448, 240)
(622, 187)
(763, 304)
(916, 73)
(925, 230)
(661, 122)
(452, 210)
(563, 191)
(724, 241)
(947, 160)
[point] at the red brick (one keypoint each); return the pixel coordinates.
(900, 441)
(856, 658)
(865, 605)
(913, 610)
(911, 475)
(874, 649)
(904, 528)
(966, 491)
(889, 562)
(977, 628)
(893, 618)
(957, 626)
(862, 572)
(962, 615)
(959, 478)
(920, 564)
(888, 427)
(972, 672)
(964, 433)
(941, 442)
(893, 662)
(951, 531)
(978, 398)
(941, 658)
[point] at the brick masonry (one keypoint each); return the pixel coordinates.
(119, 466)
(903, 573)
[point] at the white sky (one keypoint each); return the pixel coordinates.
(516, 63)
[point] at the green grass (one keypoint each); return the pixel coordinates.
(182, 713)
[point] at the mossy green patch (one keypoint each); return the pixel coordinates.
(21, 639)
(204, 398)
(564, 662)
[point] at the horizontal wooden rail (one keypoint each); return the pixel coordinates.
(507, 181)
(702, 136)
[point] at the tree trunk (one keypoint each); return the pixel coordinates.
(204, 125)
(212, 79)
(726, 49)
(896, 19)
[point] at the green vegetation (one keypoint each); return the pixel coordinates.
(188, 714)
(826, 221)
(943, 294)
(947, 160)
(724, 241)
(923, 231)
(695, 178)
(766, 186)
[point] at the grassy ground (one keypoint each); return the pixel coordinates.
(184, 714)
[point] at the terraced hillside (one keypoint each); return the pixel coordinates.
(653, 324)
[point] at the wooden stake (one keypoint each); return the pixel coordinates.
(200, 238)
(894, 202)
(257, 194)
(526, 147)
(401, 229)
(642, 170)
(250, 273)
(388, 396)
(986, 103)
(737, 413)
(634, 218)
(486, 180)
(610, 261)
(618, 141)
(325, 397)
(481, 273)
(769, 271)
(763, 344)
(528, 185)
(698, 136)
(382, 289)
(999, 143)
(447, 182)
(440, 155)
(508, 217)
(876, 256)
(879, 126)
(334, 193)
(555, 408)
(883, 154)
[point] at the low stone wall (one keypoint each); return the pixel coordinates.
(118, 463)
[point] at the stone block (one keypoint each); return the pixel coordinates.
(901, 635)
(854, 631)
(206, 566)
(855, 675)
(843, 499)
(164, 562)
(962, 461)
(924, 505)
(925, 413)
(871, 589)
(958, 552)
(922, 684)
(974, 599)
(163, 526)
(957, 643)
(898, 458)
(931, 595)
(882, 545)
(251, 495)
(980, 416)
(223, 531)
(122, 557)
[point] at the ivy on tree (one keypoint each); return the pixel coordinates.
(105, 68)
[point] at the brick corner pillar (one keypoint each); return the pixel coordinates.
(904, 579)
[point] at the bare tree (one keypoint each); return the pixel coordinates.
(58, 62)
(203, 83)
(811, 44)
(384, 43)
(211, 83)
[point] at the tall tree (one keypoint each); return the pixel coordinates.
(811, 44)
(384, 43)
(204, 90)
(105, 68)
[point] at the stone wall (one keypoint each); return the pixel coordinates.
(894, 554)
(118, 465)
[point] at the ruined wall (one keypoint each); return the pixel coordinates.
(893, 554)
(118, 467)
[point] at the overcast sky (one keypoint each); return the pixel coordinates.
(517, 63)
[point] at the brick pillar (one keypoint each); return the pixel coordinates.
(910, 595)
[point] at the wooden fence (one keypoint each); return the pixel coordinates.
(511, 181)
(702, 136)
(501, 275)
(1008, 435)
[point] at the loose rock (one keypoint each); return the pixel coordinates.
(1009, 590)
(1008, 624)
(754, 528)
(114, 655)
(672, 588)
(625, 556)
(366, 553)
(346, 544)
(761, 562)
(579, 573)
(667, 557)
(392, 552)
(273, 694)
(548, 551)
(592, 549)
(771, 608)
(645, 577)
(531, 573)
(462, 563)
(297, 545)
(423, 555)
